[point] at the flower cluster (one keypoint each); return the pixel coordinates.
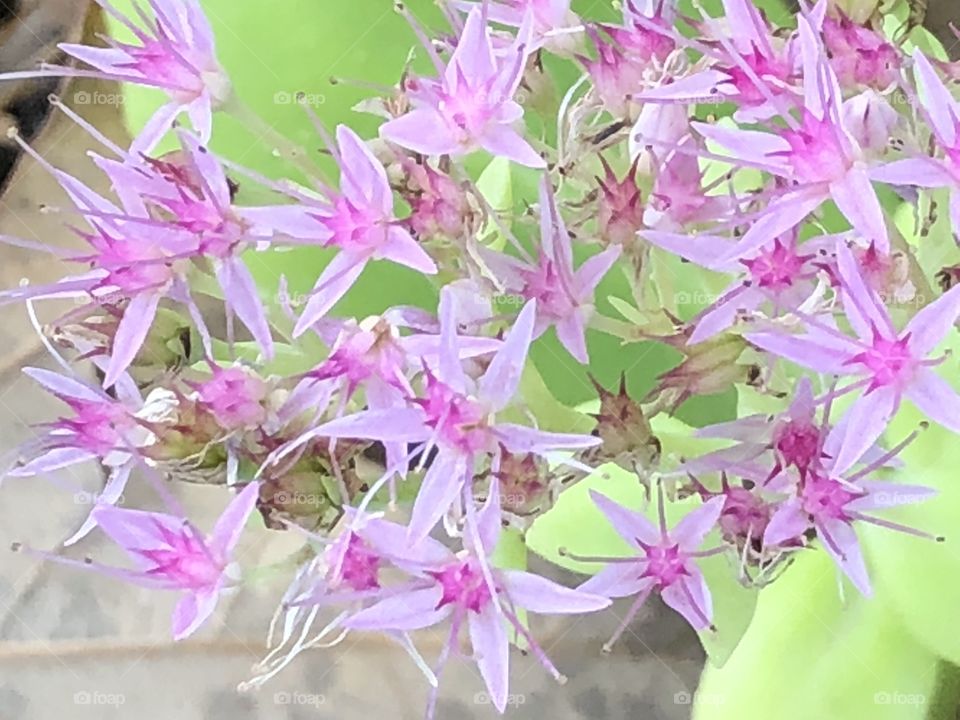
(407, 448)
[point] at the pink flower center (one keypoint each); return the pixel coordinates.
(763, 67)
(360, 566)
(186, 561)
(817, 153)
(354, 228)
(889, 362)
(100, 427)
(798, 444)
(234, 397)
(545, 285)
(463, 585)
(460, 422)
(825, 498)
(743, 514)
(777, 268)
(666, 564)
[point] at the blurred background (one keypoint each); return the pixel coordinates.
(79, 646)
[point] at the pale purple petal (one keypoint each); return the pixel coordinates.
(243, 298)
(504, 141)
(631, 525)
(111, 493)
(491, 650)
(695, 525)
(919, 172)
(440, 488)
(937, 100)
(933, 323)
(789, 522)
(131, 333)
(858, 201)
(571, 332)
(51, 460)
(333, 283)
(524, 439)
(401, 248)
(840, 540)
(540, 595)
(936, 398)
(412, 610)
(231, 523)
(816, 350)
(62, 385)
(691, 597)
(499, 383)
(864, 423)
(422, 130)
(861, 304)
(192, 611)
(619, 579)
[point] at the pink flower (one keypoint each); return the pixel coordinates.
(665, 561)
(472, 105)
(173, 51)
(564, 295)
(358, 220)
(886, 363)
(462, 588)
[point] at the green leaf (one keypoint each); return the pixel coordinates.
(807, 656)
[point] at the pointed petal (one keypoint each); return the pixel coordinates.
(863, 424)
(918, 172)
(933, 323)
(231, 523)
(631, 525)
(695, 525)
(112, 492)
(363, 179)
(491, 650)
(131, 332)
(192, 611)
(523, 439)
(51, 460)
(540, 595)
(618, 580)
(504, 141)
(412, 610)
(242, 296)
(440, 488)
(817, 351)
(788, 523)
(934, 396)
(333, 283)
(422, 130)
(691, 597)
(840, 540)
(499, 383)
(857, 200)
(403, 249)
(862, 307)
